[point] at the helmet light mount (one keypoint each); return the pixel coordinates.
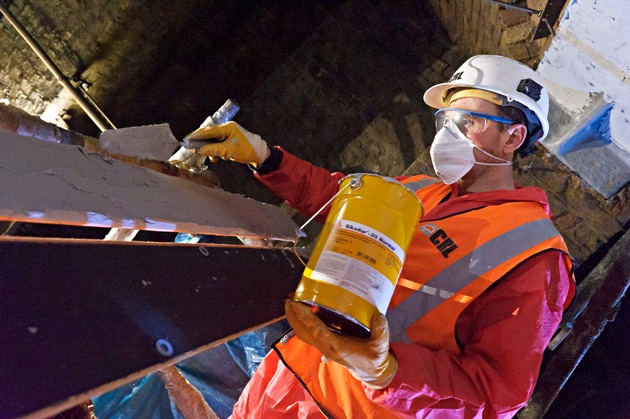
(530, 88)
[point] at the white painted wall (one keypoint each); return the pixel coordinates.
(588, 71)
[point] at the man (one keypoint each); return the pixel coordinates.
(464, 335)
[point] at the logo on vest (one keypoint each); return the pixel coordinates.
(439, 238)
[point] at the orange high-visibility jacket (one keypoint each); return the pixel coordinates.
(451, 261)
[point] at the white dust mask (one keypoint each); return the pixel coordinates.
(452, 154)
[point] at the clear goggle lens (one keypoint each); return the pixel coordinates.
(468, 122)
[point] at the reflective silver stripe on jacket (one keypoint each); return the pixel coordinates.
(419, 184)
(461, 273)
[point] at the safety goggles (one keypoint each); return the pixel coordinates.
(468, 122)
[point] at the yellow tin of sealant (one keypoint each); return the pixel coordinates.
(358, 257)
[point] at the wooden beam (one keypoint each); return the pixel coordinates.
(83, 317)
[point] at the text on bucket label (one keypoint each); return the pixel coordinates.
(360, 260)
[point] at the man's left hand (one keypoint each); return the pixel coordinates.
(368, 360)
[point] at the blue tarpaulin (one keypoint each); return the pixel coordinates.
(220, 374)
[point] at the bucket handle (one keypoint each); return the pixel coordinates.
(354, 184)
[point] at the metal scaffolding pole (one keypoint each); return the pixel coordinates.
(88, 105)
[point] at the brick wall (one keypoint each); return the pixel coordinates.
(71, 34)
(480, 27)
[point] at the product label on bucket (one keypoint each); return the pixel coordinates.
(360, 260)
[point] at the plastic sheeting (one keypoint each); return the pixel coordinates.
(220, 374)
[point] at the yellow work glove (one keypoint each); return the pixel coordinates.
(230, 141)
(368, 360)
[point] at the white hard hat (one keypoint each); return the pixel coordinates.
(520, 86)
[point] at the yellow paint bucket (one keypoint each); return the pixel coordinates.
(358, 257)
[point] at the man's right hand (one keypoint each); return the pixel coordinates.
(230, 141)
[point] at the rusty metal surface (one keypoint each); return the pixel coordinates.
(69, 185)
